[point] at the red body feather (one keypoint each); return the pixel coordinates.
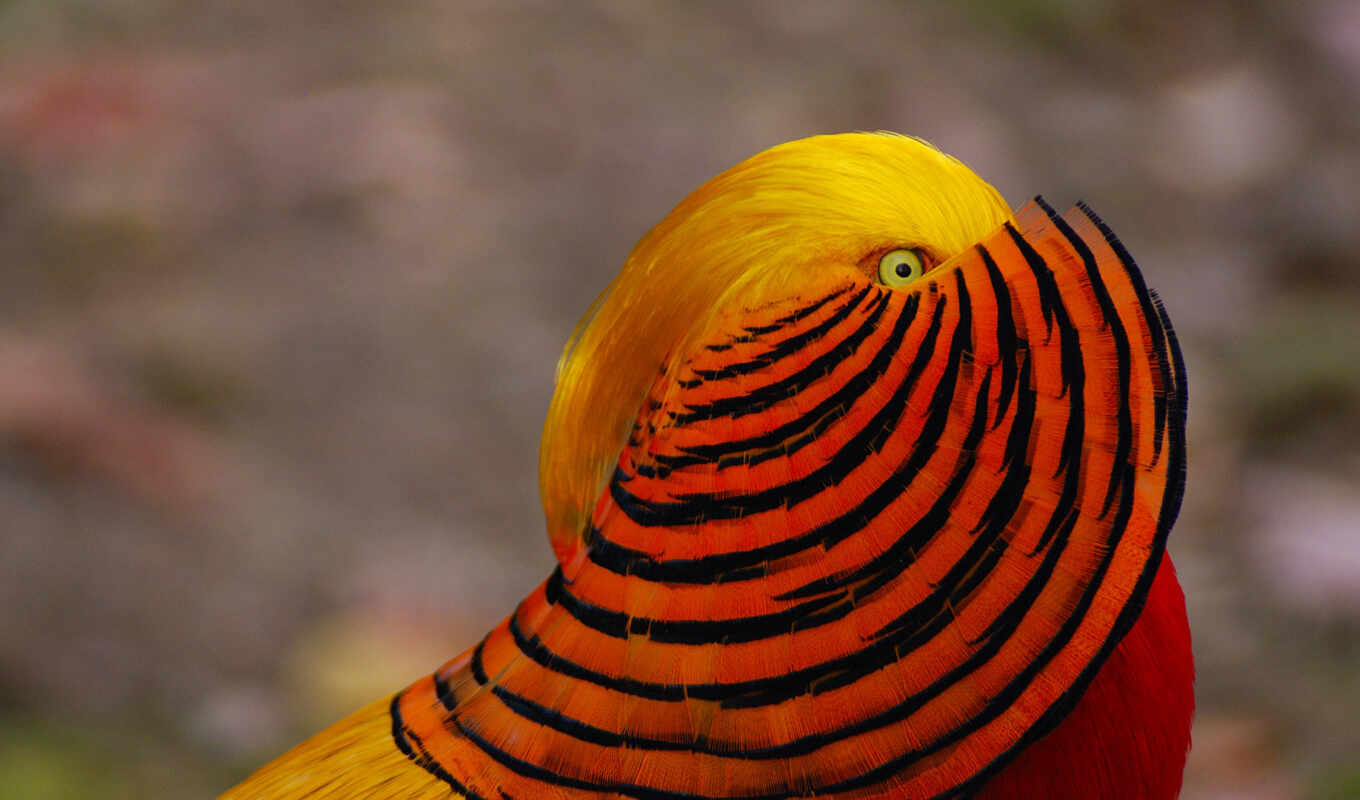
(1129, 734)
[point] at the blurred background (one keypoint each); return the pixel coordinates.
(282, 286)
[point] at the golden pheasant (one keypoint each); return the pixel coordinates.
(860, 485)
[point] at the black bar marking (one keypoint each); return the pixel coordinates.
(766, 396)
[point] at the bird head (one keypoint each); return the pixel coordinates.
(774, 226)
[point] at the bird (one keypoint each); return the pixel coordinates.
(859, 485)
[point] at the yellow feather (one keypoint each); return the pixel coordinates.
(353, 758)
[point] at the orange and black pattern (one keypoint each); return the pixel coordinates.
(865, 542)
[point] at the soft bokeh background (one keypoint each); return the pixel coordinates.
(282, 285)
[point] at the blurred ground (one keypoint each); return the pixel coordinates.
(282, 286)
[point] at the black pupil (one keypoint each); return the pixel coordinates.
(903, 269)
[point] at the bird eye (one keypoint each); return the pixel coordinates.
(900, 267)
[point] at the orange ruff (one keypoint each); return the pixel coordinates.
(861, 542)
